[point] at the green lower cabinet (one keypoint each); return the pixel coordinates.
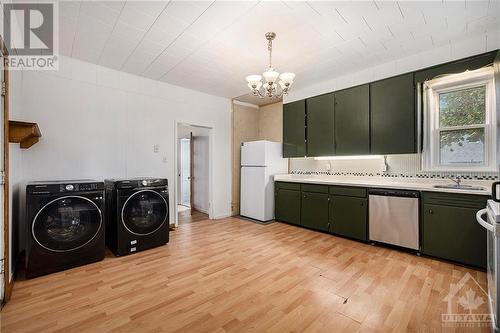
(348, 216)
(287, 206)
(452, 233)
(315, 210)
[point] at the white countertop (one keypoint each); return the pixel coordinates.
(418, 184)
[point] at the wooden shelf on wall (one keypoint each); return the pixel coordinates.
(24, 133)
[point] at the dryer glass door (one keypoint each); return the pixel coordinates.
(66, 223)
(144, 212)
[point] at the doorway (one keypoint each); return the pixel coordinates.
(193, 173)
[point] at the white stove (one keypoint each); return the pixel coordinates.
(492, 225)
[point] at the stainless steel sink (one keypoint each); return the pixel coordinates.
(461, 187)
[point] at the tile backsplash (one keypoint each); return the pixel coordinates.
(408, 165)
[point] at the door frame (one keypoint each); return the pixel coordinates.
(8, 285)
(210, 166)
(180, 174)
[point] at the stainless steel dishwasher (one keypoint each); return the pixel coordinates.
(393, 217)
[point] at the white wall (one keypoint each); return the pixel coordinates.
(436, 56)
(100, 123)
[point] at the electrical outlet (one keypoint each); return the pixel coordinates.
(156, 149)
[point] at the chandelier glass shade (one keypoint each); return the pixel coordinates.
(274, 84)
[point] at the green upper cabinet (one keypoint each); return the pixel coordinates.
(393, 116)
(294, 130)
(352, 121)
(320, 138)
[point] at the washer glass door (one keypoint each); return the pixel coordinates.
(66, 223)
(144, 212)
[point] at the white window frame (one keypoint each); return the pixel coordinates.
(431, 91)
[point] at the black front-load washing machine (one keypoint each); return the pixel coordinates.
(64, 225)
(137, 214)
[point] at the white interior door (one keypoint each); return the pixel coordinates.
(185, 172)
(200, 176)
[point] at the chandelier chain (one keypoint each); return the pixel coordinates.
(270, 48)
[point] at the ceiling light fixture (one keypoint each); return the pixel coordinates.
(271, 87)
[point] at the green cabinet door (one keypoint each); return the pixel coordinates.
(393, 117)
(294, 129)
(287, 206)
(348, 216)
(452, 233)
(320, 139)
(315, 210)
(352, 121)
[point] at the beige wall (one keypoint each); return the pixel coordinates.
(271, 122)
(245, 127)
(249, 124)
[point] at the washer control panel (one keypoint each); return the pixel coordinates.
(80, 187)
(64, 186)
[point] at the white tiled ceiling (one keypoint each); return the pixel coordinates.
(212, 45)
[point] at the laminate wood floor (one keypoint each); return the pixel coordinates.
(232, 275)
(187, 217)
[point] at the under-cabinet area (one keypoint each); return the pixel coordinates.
(447, 227)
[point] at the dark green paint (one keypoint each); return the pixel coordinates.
(450, 230)
(294, 131)
(348, 191)
(393, 119)
(314, 188)
(348, 216)
(454, 67)
(287, 185)
(315, 211)
(320, 138)
(287, 206)
(352, 121)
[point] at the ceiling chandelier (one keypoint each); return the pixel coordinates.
(271, 87)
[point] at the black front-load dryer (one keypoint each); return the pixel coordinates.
(64, 225)
(137, 214)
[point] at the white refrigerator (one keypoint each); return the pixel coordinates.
(260, 161)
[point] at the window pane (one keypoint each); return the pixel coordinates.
(462, 107)
(462, 147)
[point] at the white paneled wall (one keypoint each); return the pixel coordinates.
(98, 123)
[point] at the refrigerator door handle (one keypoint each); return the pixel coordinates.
(479, 218)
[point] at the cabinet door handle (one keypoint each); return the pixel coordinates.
(431, 211)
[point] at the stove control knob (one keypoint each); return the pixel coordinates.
(144, 183)
(70, 187)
